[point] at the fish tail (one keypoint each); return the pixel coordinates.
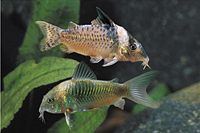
(51, 35)
(137, 89)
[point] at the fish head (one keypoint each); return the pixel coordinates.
(57, 100)
(133, 51)
(50, 103)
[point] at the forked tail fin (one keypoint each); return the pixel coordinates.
(51, 35)
(137, 89)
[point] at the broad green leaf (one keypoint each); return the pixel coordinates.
(157, 93)
(28, 76)
(86, 122)
(57, 12)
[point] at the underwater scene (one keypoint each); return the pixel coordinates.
(101, 66)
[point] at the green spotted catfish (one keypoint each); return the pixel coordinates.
(103, 39)
(85, 93)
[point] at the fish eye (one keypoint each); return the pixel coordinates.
(132, 46)
(50, 100)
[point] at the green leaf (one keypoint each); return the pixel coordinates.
(157, 93)
(86, 122)
(57, 12)
(28, 76)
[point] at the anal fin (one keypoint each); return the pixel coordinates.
(65, 49)
(95, 59)
(119, 103)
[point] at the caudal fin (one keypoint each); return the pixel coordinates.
(51, 35)
(137, 89)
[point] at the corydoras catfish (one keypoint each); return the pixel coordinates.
(103, 39)
(85, 93)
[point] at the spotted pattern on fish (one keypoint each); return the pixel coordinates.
(103, 39)
(90, 40)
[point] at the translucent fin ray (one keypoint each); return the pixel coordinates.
(119, 103)
(137, 89)
(102, 18)
(95, 59)
(106, 63)
(65, 49)
(82, 71)
(70, 119)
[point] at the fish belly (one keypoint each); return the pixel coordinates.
(89, 40)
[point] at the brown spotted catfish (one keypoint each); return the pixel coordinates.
(85, 93)
(103, 39)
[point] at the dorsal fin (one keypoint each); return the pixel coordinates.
(72, 25)
(102, 18)
(82, 71)
(115, 80)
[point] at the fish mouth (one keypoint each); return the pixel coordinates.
(41, 115)
(145, 63)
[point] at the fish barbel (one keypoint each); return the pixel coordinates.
(103, 39)
(85, 93)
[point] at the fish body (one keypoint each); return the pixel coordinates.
(103, 39)
(85, 93)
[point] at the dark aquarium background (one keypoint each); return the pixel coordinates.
(169, 31)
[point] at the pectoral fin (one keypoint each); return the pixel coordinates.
(119, 103)
(70, 119)
(109, 63)
(95, 59)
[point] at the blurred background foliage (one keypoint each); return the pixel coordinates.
(59, 12)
